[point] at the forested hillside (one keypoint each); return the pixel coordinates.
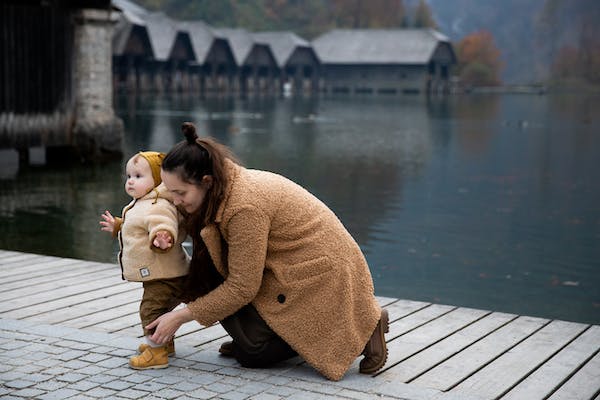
(538, 40)
(308, 18)
(530, 34)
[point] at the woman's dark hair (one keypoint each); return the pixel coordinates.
(192, 159)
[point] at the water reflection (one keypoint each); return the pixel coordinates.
(483, 201)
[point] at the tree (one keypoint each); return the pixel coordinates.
(479, 62)
(423, 16)
(358, 14)
(565, 64)
(567, 39)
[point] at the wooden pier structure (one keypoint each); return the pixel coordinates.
(56, 91)
(440, 351)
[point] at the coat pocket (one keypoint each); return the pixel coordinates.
(307, 269)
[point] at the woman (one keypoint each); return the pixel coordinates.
(291, 280)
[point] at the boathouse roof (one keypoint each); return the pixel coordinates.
(130, 8)
(240, 41)
(243, 45)
(130, 35)
(379, 46)
(283, 44)
(202, 37)
(162, 31)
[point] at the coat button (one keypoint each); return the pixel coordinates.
(281, 298)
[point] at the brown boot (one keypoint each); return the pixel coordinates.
(226, 349)
(151, 358)
(170, 347)
(376, 350)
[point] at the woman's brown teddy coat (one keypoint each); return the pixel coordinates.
(289, 255)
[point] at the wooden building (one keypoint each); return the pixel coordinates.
(191, 55)
(385, 61)
(256, 66)
(132, 51)
(173, 53)
(297, 61)
(176, 56)
(56, 91)
(214, 67)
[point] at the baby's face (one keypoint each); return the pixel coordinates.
(139, 177)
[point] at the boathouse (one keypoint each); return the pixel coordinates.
(213, 68)
(172, 50)
(132, 51)
(154, 52)
(385, 60)
(256, 65)
(56, 91)
(297, 61)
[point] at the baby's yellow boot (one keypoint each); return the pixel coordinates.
(151, 358)
(170, 347)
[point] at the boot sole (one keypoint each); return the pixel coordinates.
(386, 328)
(162, 366)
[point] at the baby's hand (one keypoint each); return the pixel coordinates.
(163, 240)
(108, 224)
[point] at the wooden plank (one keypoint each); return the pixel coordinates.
(432, 331)
(31, 298)
(207, 335)
(9, 253)
(427, 335)
(549, 376)
(10, 257)
(462, 365)
(21, 270)
(421, 362)
(57, 316)
(51, 274)
(508, 370)
(416, 319)
(56, 282)
(126, 317)
(102, 317)
(401, 308)
(385, 301)
(104, 294)
(131, 331)
(54, 287)
(585, 384)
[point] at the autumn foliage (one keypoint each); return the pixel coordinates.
(578, 63)
(479, 62)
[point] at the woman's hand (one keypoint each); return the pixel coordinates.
(167, 324)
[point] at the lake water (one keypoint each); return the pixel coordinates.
(487, 201)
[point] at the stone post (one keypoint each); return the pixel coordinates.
(97, 131)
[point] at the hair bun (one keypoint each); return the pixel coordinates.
(189, 131)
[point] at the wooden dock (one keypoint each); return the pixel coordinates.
(461, 353)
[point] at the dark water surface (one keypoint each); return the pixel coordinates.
(483, 201)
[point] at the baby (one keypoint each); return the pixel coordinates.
(150, 232)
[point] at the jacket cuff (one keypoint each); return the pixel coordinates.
(117, 226)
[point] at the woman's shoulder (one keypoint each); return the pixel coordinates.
(265, 190)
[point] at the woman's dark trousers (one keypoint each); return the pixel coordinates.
(255, 345)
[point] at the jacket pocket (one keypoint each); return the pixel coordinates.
(307, 269)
